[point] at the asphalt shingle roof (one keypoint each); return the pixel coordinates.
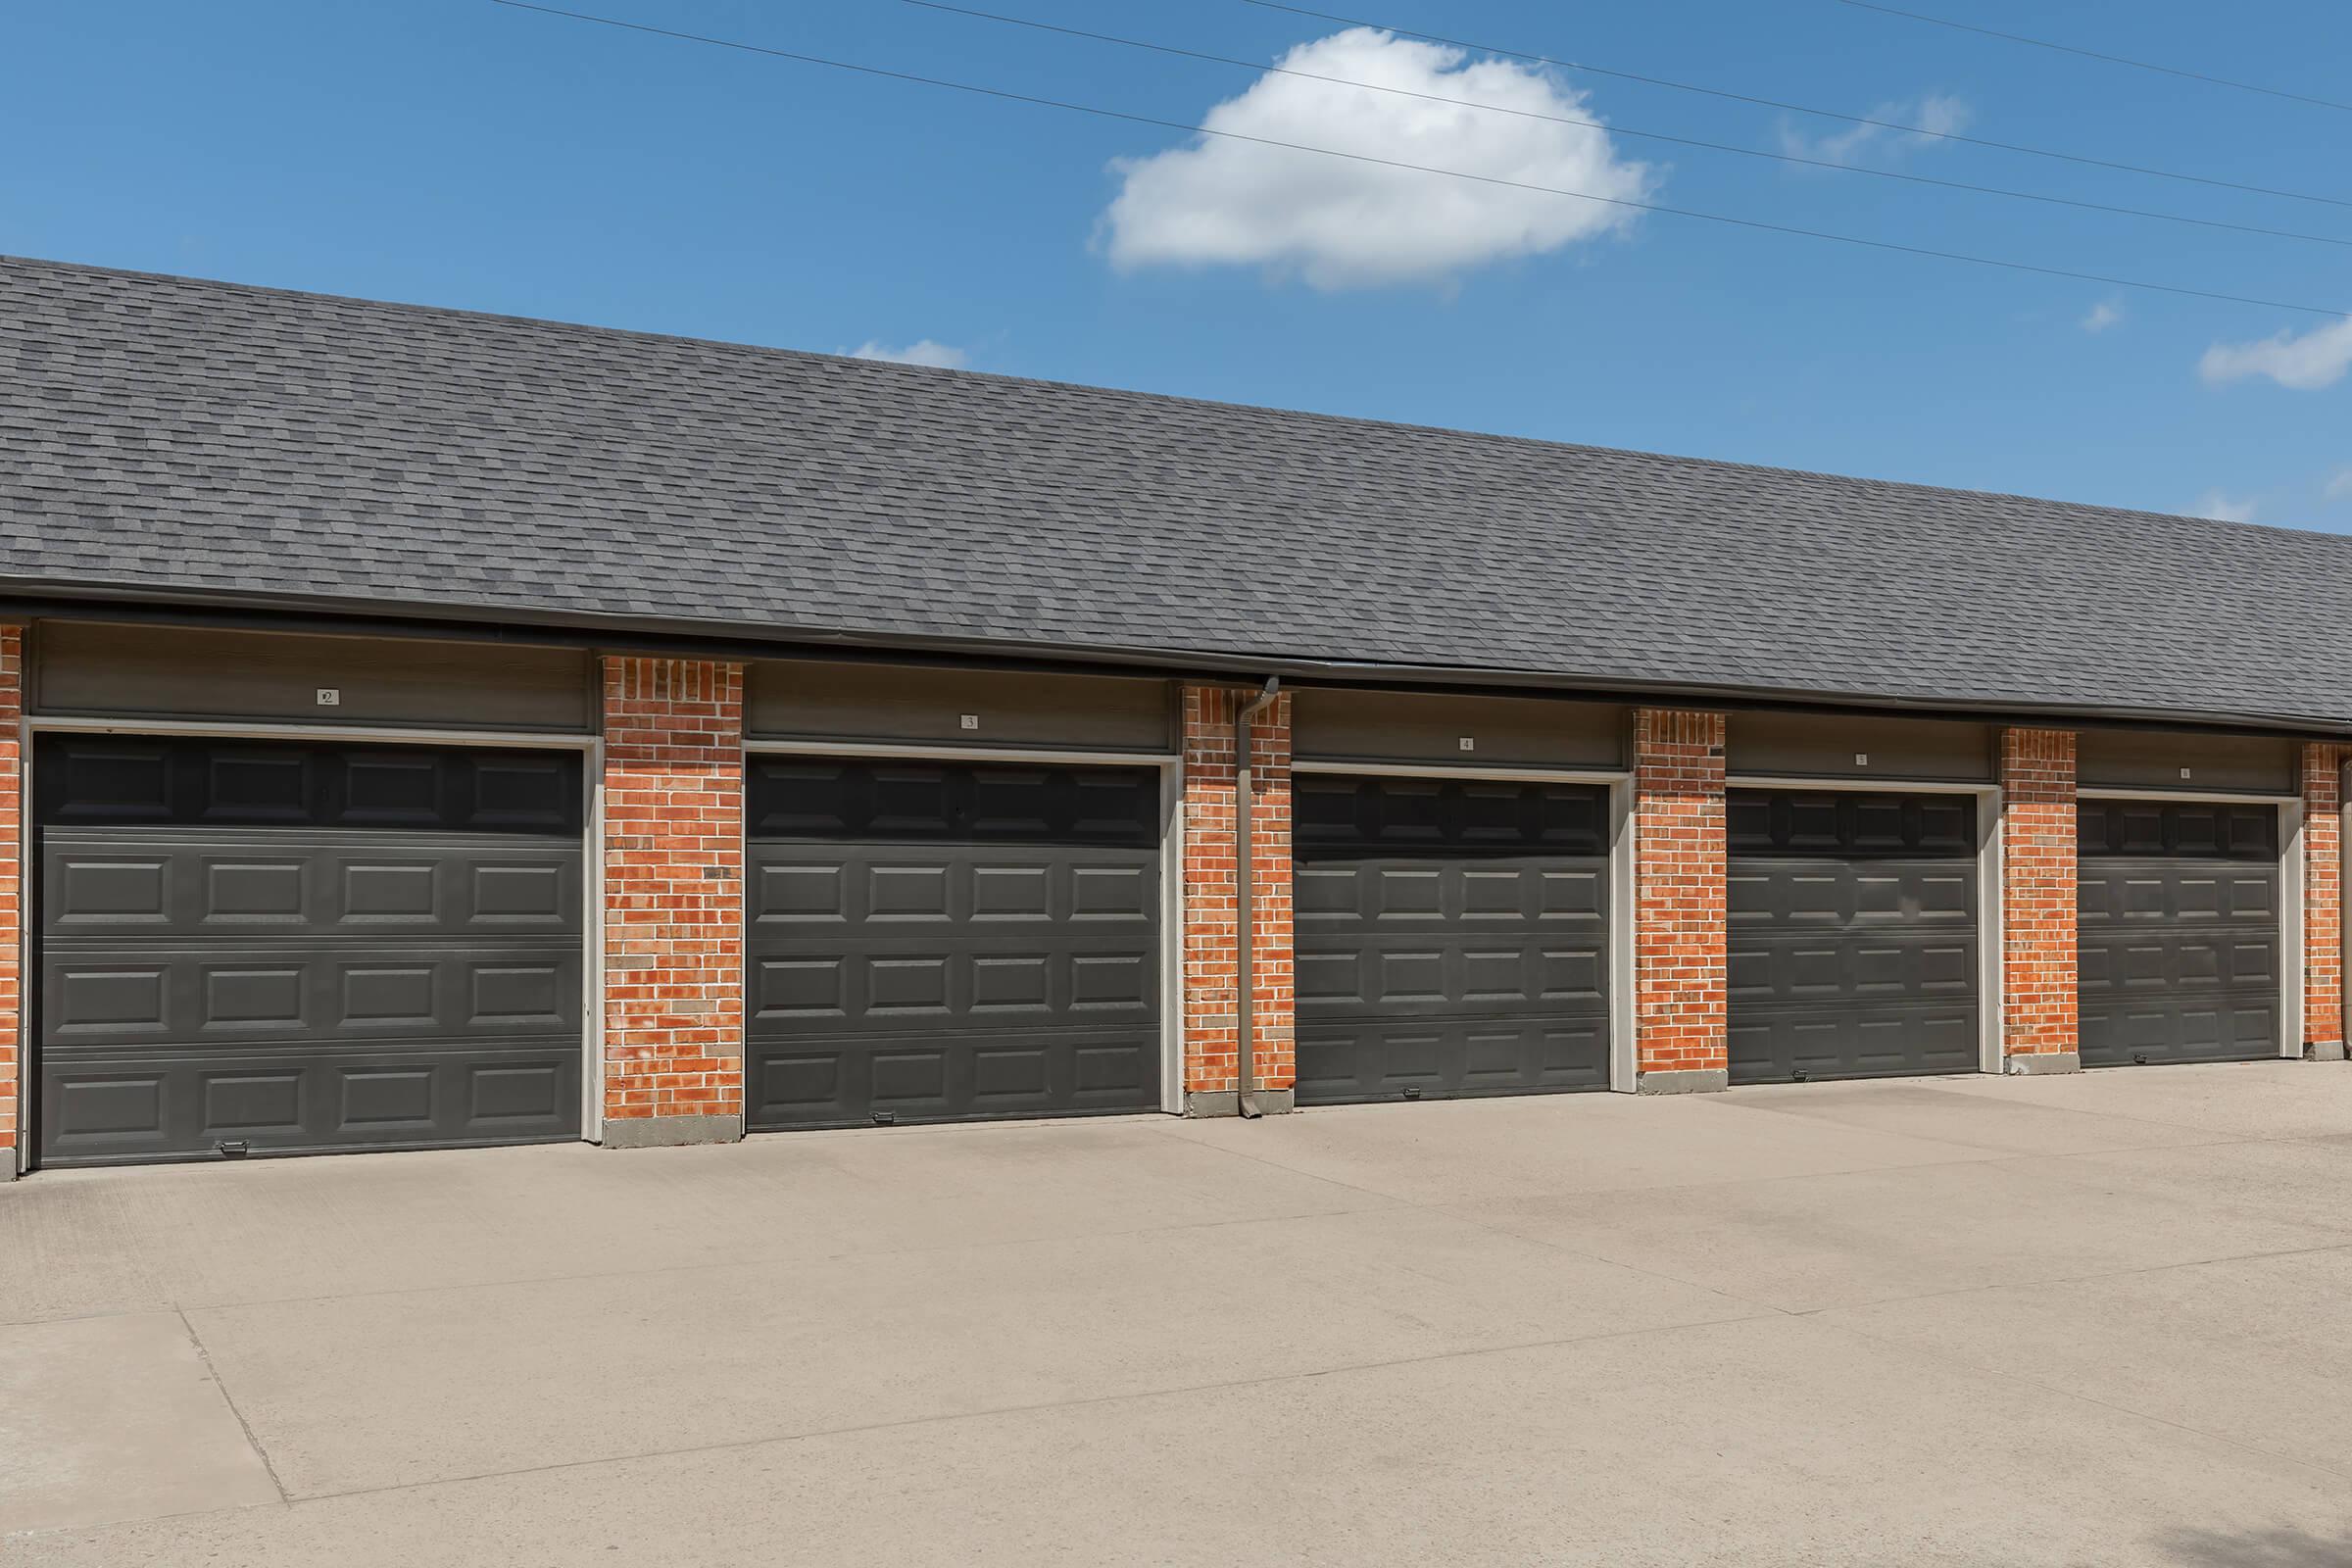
(161, 433)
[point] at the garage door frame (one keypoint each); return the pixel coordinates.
(1619, 782)
(2344, 826)
(2291, 956)
(1170, 768)
(1991, 915)
(592, 860)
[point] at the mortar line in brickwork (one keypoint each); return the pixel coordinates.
(673, 813)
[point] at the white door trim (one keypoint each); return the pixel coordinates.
(1442, 770)
(2214, 796)
(1992, 929)
(27, 982)
(1860, 785)
(1625, 1061)
(944, 751)
(2293, 960)
(2343, 838)
(395, 734)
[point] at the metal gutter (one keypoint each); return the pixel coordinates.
(1244, 905)
(34, 598)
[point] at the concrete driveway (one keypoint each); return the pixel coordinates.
(2101, 1319)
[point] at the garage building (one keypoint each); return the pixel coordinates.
(427, 729)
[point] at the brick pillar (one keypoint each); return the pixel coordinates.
(12, 895)
(1680, 871)
(673, 902)
(2324, 902)
(1212, 1033)
(2040, 1018)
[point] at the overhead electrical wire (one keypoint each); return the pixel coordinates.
(1762, 226)
(1802, 109)
(2093, 54)
(1622, 129)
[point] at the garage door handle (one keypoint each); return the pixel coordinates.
(232, 1148)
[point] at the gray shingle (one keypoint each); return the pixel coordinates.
(164, 433)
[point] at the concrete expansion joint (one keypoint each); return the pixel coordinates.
(204, 1357)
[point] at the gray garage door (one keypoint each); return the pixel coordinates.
(282, 949)
(942, 942)
(1853, 935)
(2180, 947)
(1451, 938)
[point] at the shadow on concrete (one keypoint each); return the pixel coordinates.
(2283, 1547)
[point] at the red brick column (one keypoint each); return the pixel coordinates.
(2040, 1014)
(1680, 872)
(2323, 902)
(673, 902)
(12, 895)
(1210, 1002)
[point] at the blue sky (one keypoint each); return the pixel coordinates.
(457, 153)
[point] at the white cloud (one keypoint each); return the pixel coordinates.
(2224, 508)
(1344, 225)
(1935, 111)
(2103, 316)
(2317, 358)
(2339, 484)
(945, 356)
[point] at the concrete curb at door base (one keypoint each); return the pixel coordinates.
(669, 1132)
(1227, 1102)
(2034, 1064)
(1691, 1080)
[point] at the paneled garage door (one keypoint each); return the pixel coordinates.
(1853, 934)
(249, 945)
(1452, 936)
(2180, 938)
(934, 941)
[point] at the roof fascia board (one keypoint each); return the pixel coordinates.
(34, 598)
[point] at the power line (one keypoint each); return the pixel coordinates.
(2093, 54)
(1802, 109)
(1625, 129)
(1008, 96)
